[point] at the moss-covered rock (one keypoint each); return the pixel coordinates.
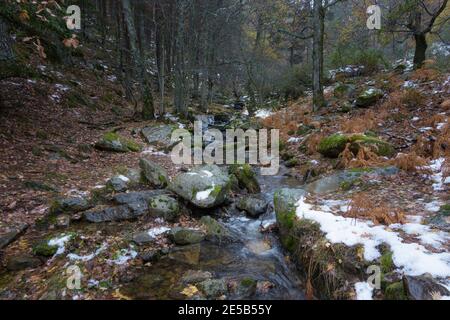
(344, 90)
(44, 249)
(334, 145)
(253, 206)
(369, 97)
(216, 231)
(112, 141)
(395, 291)
(69, 205)
(185, 236)
(246, 177)
(164, 207)
(204, 186)
(154, 173)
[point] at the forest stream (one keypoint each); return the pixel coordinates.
(256, 256)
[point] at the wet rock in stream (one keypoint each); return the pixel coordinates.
(217, 232)
(253, 206)
(204, 186)
(185, 236)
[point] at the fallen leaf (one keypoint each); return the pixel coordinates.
(120, 296)
(190, 291)
(23, 16)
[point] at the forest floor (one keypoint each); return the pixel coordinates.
(49, 126)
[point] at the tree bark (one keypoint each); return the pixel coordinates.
(148, 111)
(421, 49)
(318, 37)
(6, 53)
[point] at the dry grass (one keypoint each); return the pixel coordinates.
(441, 146)
(288, 120)
(412, 98)
(410, 162)
(360, 124)
(446, 105)
(425, 74)
(312, 142)
(364, 207)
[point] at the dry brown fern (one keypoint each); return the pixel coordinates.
(363, 207)
(409, 162)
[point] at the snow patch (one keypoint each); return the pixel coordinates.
(263, 113)
(60, 243)
(364, 291)
(155, 232)
(88, 257)
(124, 255)
(412, 258)
(203, 195)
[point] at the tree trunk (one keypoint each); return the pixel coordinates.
(318, 37)
(180, 77)
(421, 49)
(148, 111)
(6, 53)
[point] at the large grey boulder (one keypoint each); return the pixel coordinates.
(205, 186)
(107, 214)
(253, 206)
(154, 173)
(159, 136)
(69, 205)
(137, 202)
(9, 236)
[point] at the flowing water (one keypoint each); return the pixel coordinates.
(257, 256)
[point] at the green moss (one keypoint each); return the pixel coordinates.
(304, 129)
(133, 146)
(387, 264)
(292, 163)
(286, 156)
(395, 291)
(333, 145)
(44, 249)
(248, 282)
(445, 210)
(129, 144)
(111, 136)
(16, 70)
(75, 99)
(246, 177)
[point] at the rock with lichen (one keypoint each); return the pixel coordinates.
(205, 186)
